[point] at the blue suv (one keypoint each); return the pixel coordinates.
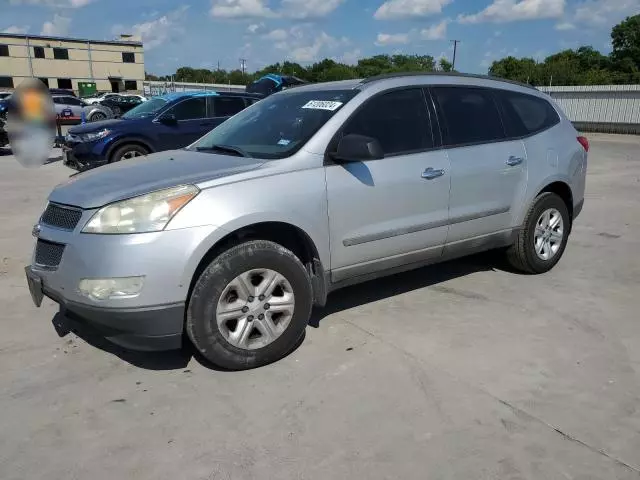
(166, 122)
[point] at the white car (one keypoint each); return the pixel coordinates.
(100, 97)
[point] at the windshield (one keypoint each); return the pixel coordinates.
(146, 109)
(277, 126)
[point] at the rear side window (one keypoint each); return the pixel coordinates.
(525, 114)
(227, 106)
(399, 120)
(190, 109)
(469, 115)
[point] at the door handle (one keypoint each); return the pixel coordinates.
(513, 161)
(430, 173)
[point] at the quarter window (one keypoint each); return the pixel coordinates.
(525, 114)
(469, 115)
(398, 120)
(190, 109)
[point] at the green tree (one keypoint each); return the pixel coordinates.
(445, 65)
(625, 38)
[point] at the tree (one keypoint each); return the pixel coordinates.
(445, 65)
(625, 38)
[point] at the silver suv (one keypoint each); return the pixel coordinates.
(235, 238)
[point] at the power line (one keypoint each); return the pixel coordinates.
(455, 49)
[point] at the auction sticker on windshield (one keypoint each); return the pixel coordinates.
(323, 105)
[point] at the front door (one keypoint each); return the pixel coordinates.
(394, 211)
(190, 124)
(220, 108)
(488, 171)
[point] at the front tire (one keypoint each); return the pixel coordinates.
(542, 240)
(250, 306)
(127, 152)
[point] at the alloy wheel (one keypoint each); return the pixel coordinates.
(549, 234)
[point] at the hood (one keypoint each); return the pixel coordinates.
(96, 126)
(117, 181)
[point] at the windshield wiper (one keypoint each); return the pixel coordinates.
(224, 148)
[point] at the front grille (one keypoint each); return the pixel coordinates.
(57, 216)
(48, 254)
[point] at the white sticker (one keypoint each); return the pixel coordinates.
(284, 142)
(323, 105)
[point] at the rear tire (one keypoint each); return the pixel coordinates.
(542, 240)
(227, 319)
(127, 152)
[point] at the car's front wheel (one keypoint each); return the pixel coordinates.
(97, 116)
(250, 306)
(127, 152)
(543, 238)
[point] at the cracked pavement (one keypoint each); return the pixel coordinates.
(457, 371)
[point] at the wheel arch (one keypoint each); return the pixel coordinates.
(563, 190)
(286, 234)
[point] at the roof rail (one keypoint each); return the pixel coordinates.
(385, 76)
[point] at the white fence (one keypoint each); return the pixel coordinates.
(600, 108)
(152, 88)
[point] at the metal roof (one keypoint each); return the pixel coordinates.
(69, 39)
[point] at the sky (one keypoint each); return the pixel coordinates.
(205, 33)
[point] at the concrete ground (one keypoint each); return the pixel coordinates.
(458, 371)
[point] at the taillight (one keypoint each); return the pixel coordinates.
(584, 142)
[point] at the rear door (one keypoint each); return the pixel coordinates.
(191, 118)
(488, 170)
(393, 211)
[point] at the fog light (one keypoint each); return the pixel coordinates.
(105, 288)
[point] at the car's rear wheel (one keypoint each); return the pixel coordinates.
(97, 116)
(542, 240)
(127, 152)
(250, 306)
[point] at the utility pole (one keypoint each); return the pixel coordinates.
(455, 49)
(243, 65)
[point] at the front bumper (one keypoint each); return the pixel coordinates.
(146, 329)
(81, 156)
(151, 320)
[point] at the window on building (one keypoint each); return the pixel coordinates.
(4, 50)
(38, 52)
(130, 85)
(128, 57)
(61, 54)
(65, 83)
(45, 81)
(6, 82)
(398, 120)
(470, 115)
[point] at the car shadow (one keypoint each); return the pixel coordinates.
(386, 287)
(344, 299)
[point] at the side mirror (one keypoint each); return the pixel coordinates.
(357, 148)
(168, 119)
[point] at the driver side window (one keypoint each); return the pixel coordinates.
(399, 120)
(190, 109)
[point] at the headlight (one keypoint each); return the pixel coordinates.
(146, 213)
(90, 137)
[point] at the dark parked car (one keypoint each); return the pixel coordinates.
(165, 122)
(121, 104)
(61, 91)
(273, 83)
(4, 138)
